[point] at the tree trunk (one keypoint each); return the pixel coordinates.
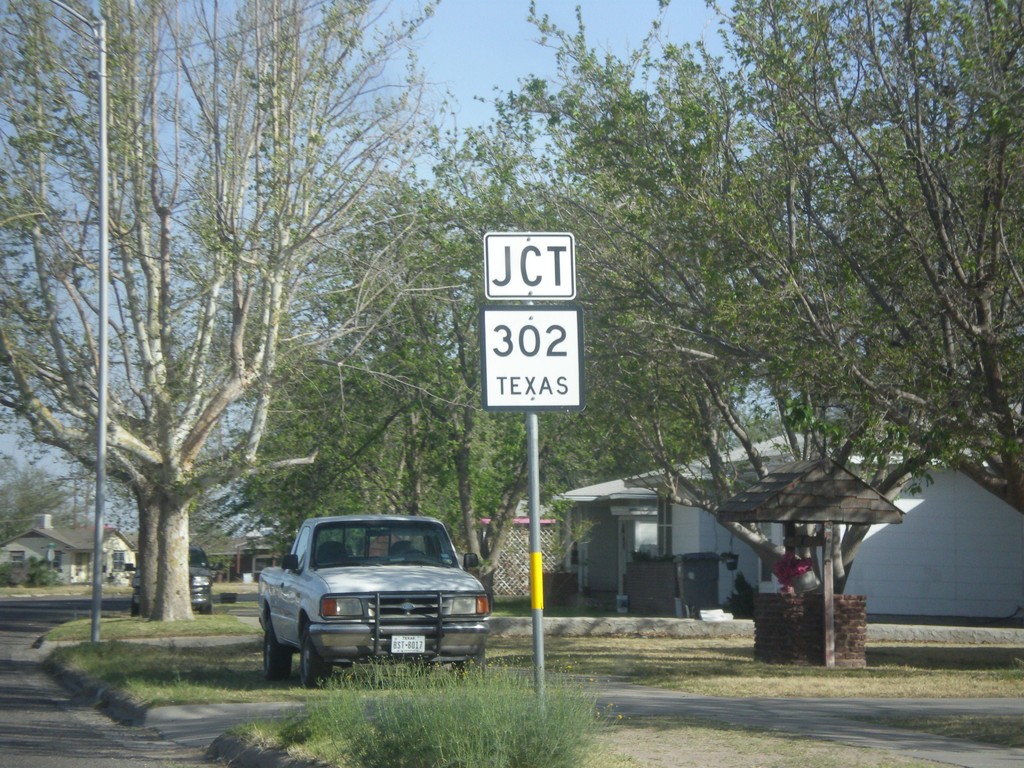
(173, 588)
(148, 553)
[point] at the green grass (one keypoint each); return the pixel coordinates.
(124, 628)
(163, 675)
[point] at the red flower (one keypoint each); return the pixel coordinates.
(790, 567)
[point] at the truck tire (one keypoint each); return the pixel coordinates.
(277, 658)
(313, 670)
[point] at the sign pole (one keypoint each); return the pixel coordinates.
(531, 360)
(536, 555)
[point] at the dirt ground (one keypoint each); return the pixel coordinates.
(672, 746)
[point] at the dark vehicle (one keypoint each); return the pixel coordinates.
(200, 578)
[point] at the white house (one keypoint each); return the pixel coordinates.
(626, 520)
(959, 551)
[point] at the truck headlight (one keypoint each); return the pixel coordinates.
(470, 605)
(341, 607)
(200, 581)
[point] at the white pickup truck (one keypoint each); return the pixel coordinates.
(361, 587)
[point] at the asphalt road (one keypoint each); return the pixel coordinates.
(42, 727)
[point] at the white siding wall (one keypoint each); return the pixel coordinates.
(958, 552)
(685, 530)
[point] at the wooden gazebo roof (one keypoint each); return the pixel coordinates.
(818, 491)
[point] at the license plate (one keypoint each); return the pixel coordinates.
(408, 644)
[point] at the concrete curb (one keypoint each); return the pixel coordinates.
(618, 626)
(640, 626)
(115, 704)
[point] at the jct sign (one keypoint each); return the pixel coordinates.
(529, 265)
(532, 358)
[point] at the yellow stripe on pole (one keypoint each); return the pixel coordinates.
(536, 581)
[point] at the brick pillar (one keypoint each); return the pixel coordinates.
(789, 629)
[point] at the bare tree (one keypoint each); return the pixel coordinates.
(245, 146)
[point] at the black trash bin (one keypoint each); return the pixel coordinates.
(698, 581)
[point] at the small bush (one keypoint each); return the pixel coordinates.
(42, 573)
(409, 717)
(33, 573)
(12, 574)
(741, 602)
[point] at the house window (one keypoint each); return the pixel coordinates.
(17, 555)
(58, 560)
(117, 556)
(664, 526)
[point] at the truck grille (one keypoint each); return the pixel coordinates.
(405, 608)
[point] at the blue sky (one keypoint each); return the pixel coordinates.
(470, 47)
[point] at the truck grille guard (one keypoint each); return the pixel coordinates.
(423, 610)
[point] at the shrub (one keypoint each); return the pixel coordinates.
(41, 573)
(32, 573)
(425, 718)
(12, 574)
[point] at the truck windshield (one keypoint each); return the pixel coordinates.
(338, 545)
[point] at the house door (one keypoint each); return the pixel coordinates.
(80, 572)
(636, 534)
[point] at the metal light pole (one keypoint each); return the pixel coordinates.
(98, 28)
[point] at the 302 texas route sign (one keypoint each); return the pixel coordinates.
(532, 358)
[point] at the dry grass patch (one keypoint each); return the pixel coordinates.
(660, 743)
(726, 667)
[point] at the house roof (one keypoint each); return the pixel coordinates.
(612, 490)
(69, 538)
(818, 491)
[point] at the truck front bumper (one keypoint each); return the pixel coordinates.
(453, 642)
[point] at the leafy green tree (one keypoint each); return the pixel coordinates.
(402, 425)
(818, 242)
(688, 356)
(884, 183)
(26, 493)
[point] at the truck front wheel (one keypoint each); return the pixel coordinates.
(277, 658)
(313, 670)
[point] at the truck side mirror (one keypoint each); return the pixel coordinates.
(470, 560)
(290, 562)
